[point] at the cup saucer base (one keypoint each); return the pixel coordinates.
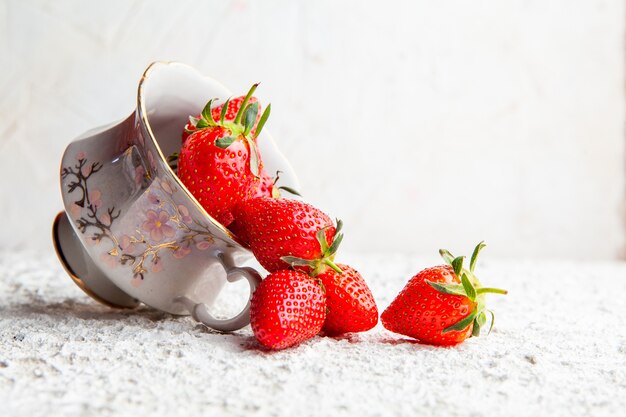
(85, 274)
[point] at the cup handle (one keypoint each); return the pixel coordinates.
(200, 311)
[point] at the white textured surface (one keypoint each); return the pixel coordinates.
(384, 108)
(558, 349)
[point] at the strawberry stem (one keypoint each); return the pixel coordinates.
(491, 290)
(333, 265)
(242, 108)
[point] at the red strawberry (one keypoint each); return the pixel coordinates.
(266, 186)
(287, 308)
(349, 302)
(278, 228)
(240, 230)
(231, 112)
(437, 307)
(219, 162)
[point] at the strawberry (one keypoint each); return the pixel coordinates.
(231, 113)
(219, 163)
(240, 230)
(266, 186)
(442, 305)
(350, 305)
(287, 308)
(283, 232)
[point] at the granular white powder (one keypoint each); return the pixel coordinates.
(558, 348)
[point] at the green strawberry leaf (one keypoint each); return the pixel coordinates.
(446, 255)
(468, 287)
(320, 235)
(461, 324)
(295, 261)
(202, 124)
(262, 120)
(481, 318)
(254, 157)
(480, 321)
(457, 265)
(225, 142)
(206, 114)
(339, 225)
(454, 289)
(224, 110)
(250, 117)
(493, 320)
(289, 190)
(475, 329)
(193, 121)
(477, 250)
(335, 245)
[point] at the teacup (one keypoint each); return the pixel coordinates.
(131, 232)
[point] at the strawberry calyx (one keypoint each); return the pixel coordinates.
(469, 287)
(326, 260)
(276, 190)
(241, 126)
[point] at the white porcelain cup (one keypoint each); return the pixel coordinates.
(131, 232)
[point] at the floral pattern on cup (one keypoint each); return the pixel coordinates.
(157, 225)
(164, 227)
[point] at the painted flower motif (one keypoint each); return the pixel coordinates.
(75, 210)
(109, 260)
(81, 155)
(154, 199)
(106, 219)
(140, 172)
(182, 252)
(126, 244)
(86, 170)
(203, 245)
(157, 265)
(166, 185)
(136, 281)
(184, 212)
(157, 225)
(95, 198)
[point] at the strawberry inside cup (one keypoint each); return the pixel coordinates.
(219, 161)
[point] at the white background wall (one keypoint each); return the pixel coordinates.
(421, 124)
